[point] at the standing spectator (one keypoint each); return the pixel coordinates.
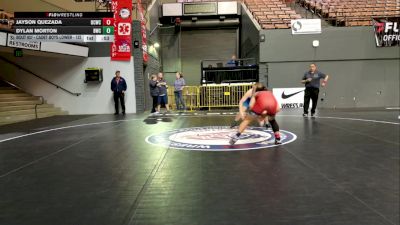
(154, 91)
(163, 94)
(179, 84)
(312, 81)
(118, 87)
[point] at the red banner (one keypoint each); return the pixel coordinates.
(121, 48)
(143, 31)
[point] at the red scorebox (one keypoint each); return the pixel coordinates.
(108, 22)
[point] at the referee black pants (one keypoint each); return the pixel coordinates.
(310, 93)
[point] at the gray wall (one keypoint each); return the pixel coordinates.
(170, 52)
(362, 75)
(143, 72)
(249, 38)
(68, 72)
(183, 51)
(198, 45)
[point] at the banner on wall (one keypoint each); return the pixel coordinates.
(289, 97)
(387, 31)
(121, 48)
(306, 26)
(143, 31)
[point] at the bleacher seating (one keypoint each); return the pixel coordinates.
(352, 12)
(272, 14)
(276, 14)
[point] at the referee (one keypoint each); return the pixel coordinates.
(312, 80)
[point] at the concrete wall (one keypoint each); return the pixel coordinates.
(362, 75)
(184, 50)
(249, 36)
(170, 51)
(198, 45)
(68, 72)
(144, 71)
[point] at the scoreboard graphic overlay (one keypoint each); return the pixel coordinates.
(64, 26)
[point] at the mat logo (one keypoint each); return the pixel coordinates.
(216, 138)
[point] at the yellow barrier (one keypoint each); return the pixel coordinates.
(214, 96)
(222, 96)
(190, 95)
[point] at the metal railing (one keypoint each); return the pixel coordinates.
(34, 74)
(190, 95)
(19, 88)
(36, 105)
(222, 96)
(214, 96)
(217, 71)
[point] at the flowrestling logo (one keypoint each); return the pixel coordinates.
(387, 31)
(216, 138)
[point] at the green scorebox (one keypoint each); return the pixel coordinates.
(108, 30)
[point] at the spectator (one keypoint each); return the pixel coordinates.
(233, 62)
(163, 94)
(154, 91)
(179, 84)
(118, 87)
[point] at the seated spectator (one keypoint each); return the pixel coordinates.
(233, 62)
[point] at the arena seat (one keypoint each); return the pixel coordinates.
(275, 14)
(351, 12)
(272, 14)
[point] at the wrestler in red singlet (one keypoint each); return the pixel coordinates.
(265, 100)
(264, 105)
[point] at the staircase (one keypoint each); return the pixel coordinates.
(17, 106)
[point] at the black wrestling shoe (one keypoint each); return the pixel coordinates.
(278, 141)
(233, 140)
(305, 114)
